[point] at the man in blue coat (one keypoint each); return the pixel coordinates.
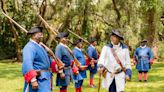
(80, 56)
(93, 54)
(36, 64)
(143, 58)
(63, 54)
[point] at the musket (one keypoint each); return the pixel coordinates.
(56, 32)
(82, 39)
(58, 62)
(78, 64)
(69, 30)
(23, 29)
(99, 84)
(46, 24)
(89, 61)
(78, 36)
(86, 54)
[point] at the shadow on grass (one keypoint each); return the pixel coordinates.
(151, 79)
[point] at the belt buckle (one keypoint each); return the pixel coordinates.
(117, 72)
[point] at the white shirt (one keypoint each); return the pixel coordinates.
(35, 42)
(116, 46)
(143, 46)
(63, 44)
(78, 48)
(93, 46)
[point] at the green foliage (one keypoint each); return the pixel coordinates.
(7, 48)
(85, 17)
(161, 50)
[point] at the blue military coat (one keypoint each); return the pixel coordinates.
(80, 57)
(143, 57)
(91, 51)
(63, 54)
(36, 58)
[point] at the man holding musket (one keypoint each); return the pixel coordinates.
(36, 64)
(78, 53)
(93, 55)
(64, 55)
(114, 64)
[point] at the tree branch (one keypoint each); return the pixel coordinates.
(117, 12)
(102, 19)
(42, 10)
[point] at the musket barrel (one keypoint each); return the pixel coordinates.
(15, 22)
(59, 63)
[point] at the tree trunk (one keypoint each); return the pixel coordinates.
(50, 39)
(117, 13)
(13, 30)
(42, 12)
(151, 26)
(16, 40)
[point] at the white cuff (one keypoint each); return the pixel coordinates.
(61, 71)
(33, 79)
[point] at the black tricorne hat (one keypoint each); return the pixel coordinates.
(117, 33)
(144, 40)
(62, 35)
(75, 42)
(35, 30)
(92, 39)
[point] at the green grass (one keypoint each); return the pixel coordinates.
(11, 80)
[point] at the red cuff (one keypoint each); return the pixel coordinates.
(87, 62)
(53, 67)
(134, 59)
(75, 69)
(151, 61)
(72, 63)
(92, 61)
(98, 55)
(29, 75)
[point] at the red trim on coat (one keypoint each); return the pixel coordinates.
(75, 70)
(87, 62)
(29, 75)
(151, 61)
(53, 67)
(134, 60)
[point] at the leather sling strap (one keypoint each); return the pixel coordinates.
(117, 59)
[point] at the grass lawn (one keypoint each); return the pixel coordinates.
(11, 80)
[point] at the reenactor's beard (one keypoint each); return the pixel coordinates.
(39, 37)
(81, 46)
(64, 41)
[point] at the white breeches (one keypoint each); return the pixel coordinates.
(119, 80)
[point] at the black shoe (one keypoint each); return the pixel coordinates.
(140, 80)
(145, 80)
